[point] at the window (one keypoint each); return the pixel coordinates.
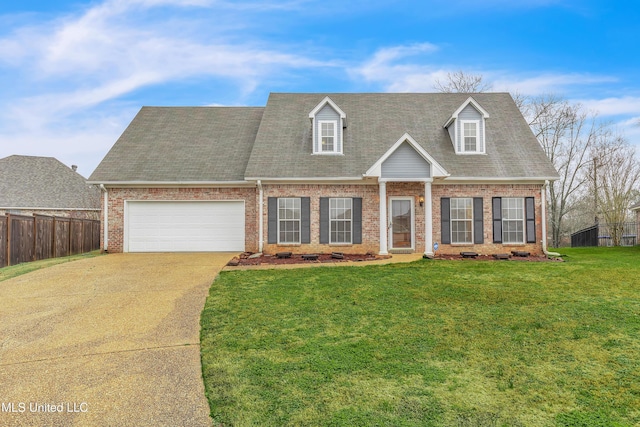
(340, 220)
(328, 136)
(512, 220)
(289, 220)
(462, 220)
(470, 131)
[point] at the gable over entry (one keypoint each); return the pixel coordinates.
(406, 161)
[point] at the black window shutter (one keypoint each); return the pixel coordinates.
(272, 223)
(445, 220)
(530, 215)
(478, 221)
(357, 220)
(324, 220)
(305, 220)
(497, 220)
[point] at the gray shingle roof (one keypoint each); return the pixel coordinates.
(376, 121)
(183, 144)
(44, 182)
(636, 206)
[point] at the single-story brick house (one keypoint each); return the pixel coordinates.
(310, 173)
(45, 186)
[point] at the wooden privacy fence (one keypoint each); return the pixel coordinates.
(31, 238)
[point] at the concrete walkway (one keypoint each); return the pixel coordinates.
(106, 341)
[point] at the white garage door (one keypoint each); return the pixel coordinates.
(184, 226)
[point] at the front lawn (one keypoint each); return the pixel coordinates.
(27, 267)
(431, 343)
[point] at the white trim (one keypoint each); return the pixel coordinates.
(413, 221)
(436, 169)
(384, 225)
(337, 147)
(314, 180)
(320, 106)
(405, 180)
(493, 180)
(151, 184)
(299, 199)
(524, 220)
(471, 101)
(463, 150)
(472, 220)
(105, 246)
(342, 220)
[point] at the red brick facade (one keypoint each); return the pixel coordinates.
(370, 212)
(117, 197)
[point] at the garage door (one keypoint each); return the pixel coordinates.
(184, 226)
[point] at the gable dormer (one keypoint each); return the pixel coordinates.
(327, 122)
(466, 128)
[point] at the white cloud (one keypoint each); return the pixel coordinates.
(544, 82)
(624, 105)
(388, 67)
(87, 60)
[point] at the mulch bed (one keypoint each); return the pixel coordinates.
(530, 258)
(246, 259)
(265, 259)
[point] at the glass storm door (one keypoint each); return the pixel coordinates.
(401, 224)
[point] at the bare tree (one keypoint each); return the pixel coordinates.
(614, 181)
(461, 82)
(566, 133)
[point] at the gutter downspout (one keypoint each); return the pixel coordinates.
(260, 213)
(544, 222)
(106, 218)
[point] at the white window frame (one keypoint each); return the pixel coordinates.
(463, 149)
(334, 125)
(457, 220)
(294, 220)
(332, 221)
(507, 219)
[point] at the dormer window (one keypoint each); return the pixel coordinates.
(328, 123)
(328, 136)
(466, 128)
(470, 131)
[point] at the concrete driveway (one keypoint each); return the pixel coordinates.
(106, 341)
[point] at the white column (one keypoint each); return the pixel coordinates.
(428, 220)
(383, 218)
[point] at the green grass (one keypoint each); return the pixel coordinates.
(431, 343)
(27, 267)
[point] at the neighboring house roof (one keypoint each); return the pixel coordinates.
(182, 144)
(44, 183)
(635, 207)
(235, 143)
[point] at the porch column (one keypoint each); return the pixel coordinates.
(428, 220)
(383, 218)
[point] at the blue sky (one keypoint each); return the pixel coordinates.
(74, 74)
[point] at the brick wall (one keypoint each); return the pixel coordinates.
(117, 197)
(487, 192)
(370, 212)
(370, 222)
(371, 217)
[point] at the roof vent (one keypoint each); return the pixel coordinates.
(74, 167)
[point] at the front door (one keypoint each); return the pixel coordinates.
(401, 227)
